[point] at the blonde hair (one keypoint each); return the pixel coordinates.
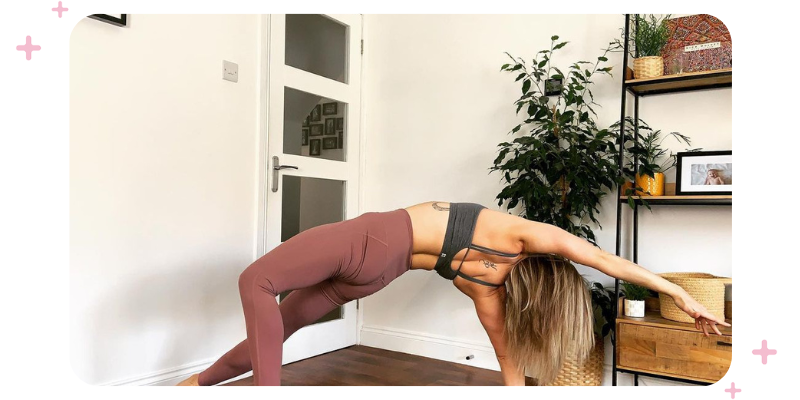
(548, 316)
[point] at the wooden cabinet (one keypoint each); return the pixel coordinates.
(658, 346)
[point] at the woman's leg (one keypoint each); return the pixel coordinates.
(300, 308)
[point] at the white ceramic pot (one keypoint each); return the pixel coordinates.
(634, 308)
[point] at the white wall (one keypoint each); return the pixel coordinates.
(163, 192)
(437, 106)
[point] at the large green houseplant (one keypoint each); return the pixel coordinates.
(564, 164)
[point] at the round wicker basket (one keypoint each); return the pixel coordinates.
(590, 373)
(707, 289)
(648, 67)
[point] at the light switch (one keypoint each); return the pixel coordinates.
(230, 71)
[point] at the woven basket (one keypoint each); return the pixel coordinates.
(707, 289)
(648, 67)
(590, 373)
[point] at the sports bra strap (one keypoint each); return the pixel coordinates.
(469, 278)
(491, 251)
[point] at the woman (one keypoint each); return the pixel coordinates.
(529, 298)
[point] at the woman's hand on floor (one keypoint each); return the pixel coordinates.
(703, 319)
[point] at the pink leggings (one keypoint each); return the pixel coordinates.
(324, 267)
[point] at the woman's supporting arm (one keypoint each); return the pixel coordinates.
(490, 306)
(544, 238)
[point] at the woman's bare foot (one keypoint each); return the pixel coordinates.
(191, 381)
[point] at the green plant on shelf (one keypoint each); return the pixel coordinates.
(643, 147)
(649, 34)
(633, 291)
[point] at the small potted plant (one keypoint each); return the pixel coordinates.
(644, 150)
(634, 299)
(649, 35)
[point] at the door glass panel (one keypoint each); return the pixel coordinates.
(309, 202)
(317, 44)
(313, 126)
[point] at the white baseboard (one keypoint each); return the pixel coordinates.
(165, 377)
(431, 346)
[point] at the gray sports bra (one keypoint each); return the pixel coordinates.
(460, 229)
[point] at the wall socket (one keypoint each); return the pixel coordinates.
(230, 71)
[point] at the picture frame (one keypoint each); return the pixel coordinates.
(120, 20)
(330, 108)
(340, 123)
(315, 130)
(316, 114)
(305, 138)
(329, 143)
(704, 173)
(552, 87)
(330, 126)
(314, 147)
(341, 139)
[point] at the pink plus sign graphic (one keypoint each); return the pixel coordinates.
(28, 48)
(733, 390)
(60, 9)
(764, 352)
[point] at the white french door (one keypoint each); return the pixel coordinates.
(311, 160)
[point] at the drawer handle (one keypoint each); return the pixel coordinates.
(721, 343)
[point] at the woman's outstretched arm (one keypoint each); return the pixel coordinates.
(544, 238)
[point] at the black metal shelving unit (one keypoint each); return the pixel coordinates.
(645, 87)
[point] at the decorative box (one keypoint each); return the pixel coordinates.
(697, 43)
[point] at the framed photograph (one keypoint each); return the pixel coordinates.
(330, 143)
(305, 138)
(330, 108)
(340, 124)
(552, 87)
(341, 140)
(120, 20)
(315, 130)
(704, 172)
(330, 126)
(305, 121)
(314, 149)
(315, 116)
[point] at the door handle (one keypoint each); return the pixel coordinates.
(276, 167)
(721, 343)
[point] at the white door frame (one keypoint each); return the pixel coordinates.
(274, 76)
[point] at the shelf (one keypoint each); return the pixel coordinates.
(664, 375)
(720, 78)
(705, 200)
(654, 318)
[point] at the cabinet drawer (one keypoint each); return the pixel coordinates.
(673, 352)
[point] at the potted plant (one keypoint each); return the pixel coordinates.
(563, 164)
(644, 149)
(634, 299)
(649, 36)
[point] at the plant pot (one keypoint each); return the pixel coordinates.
(634, 308)
(590, 373)
(652, 186)
(627, 188)
(648, 67)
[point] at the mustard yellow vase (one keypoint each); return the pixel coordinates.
(653, 185)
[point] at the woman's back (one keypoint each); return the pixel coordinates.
(497, 245)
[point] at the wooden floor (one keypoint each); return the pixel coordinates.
(368, 366)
